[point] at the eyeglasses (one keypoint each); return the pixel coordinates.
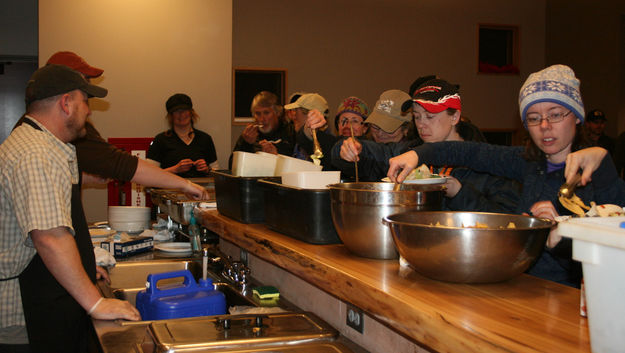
(537, 119)
(352, 122)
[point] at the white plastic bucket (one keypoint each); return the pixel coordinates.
(599, 244)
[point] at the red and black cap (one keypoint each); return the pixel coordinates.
(435, 96)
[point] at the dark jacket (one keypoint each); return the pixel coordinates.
(480, 191)
(284, 132)
(537, 185)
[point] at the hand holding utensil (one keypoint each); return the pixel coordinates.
(355, 161)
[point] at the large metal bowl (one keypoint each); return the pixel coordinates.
(446, 246)
(358, 210)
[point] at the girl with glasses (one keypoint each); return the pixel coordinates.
(552, 111)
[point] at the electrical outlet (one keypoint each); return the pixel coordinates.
(243, 257)
(355, 318)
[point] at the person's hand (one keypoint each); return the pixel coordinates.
(401, 166)
(587, 159)
(111, 309)
(250, 134)
(195, 191)
(452, 186)
(315, 120)
(545, 209)
(201, 166)
(268, 147)
(102, 273)
(183, 166)
(350, 150)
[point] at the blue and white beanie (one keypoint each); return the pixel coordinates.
(556, 84)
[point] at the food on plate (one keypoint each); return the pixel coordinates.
(422, 172)
(607, 210)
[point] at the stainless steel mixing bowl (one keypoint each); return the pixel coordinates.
(456, 251)
(358, 210)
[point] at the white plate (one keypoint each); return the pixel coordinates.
(173, 247)
(101, 232)
(441, 180)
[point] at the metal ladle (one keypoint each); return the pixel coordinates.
(317, 153)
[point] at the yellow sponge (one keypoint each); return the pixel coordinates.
(266, 292)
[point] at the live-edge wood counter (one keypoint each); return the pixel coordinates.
(525, 314)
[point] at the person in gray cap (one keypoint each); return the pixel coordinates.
(47, 264)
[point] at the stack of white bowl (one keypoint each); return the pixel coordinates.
(132, 219)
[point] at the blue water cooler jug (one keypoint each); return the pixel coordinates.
(185, 299)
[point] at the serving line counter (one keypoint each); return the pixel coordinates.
(524, 314)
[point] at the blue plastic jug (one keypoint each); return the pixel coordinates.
(180, 300)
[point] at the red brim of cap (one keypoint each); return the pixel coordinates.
(90, 71)
(431, 106)
(437, 107)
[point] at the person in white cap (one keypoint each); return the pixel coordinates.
(311, 106)
(552, 110)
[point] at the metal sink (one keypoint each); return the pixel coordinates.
(128, 278)
(247, 332)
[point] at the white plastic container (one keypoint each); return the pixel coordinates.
(599, 243)
(286, 164)
(248, 164)
(311, 180)
(130, 219)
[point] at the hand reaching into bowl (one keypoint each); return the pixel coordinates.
(545, 209)
(402, 165)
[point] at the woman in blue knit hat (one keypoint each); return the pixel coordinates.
(552, 111)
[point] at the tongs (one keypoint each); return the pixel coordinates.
(567, 190)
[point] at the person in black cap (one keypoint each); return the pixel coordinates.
(183, 149)
(436, 109)
(47, 264)
(595, 130)
(99, 161)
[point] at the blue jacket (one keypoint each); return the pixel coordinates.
(480, 191)
(537, 185)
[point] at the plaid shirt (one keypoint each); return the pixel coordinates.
(36, 176)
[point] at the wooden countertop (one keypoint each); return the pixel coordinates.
(524, 314)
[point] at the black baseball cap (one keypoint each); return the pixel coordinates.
(52, 80)
(178, 101)
(595, 114)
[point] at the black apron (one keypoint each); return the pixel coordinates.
(54, 320)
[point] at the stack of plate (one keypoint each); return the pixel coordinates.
(132, 219)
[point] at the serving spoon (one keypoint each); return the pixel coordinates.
(317, 152)
(567, 190)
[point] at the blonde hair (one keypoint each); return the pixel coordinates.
(267, 99)
(170, 118)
